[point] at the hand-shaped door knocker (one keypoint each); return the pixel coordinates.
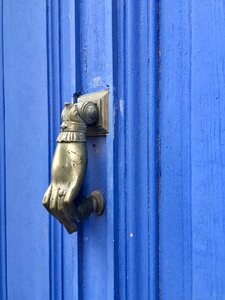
(69, 167)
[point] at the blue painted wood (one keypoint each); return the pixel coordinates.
(26, 141)
(192, 235)
(38, 76)
(93, 73)
(136, 209)
(54, 108)
(3, 242)
(67, 71)
(52, 49)
(61, 86)
(48, 50)
(110, 246)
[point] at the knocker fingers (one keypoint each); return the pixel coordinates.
(50, 201)
(46, 198)
(70, 222)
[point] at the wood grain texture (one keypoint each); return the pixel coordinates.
(192, 234)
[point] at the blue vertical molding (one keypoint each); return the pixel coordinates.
(67, 50)
(54, 108)
(135, 43)
(94, 73)
(3, 242)
(61, 86)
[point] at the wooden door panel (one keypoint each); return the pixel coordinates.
(192, 150)
(26, 141)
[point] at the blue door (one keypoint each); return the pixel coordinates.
(192, 133)
(161, 166)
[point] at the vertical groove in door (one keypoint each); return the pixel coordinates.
(54, 106)
(77, 91)
(120, 217)
(61, 19)
(94, 73)
(68, 82)
(159, 141)
(3, 241)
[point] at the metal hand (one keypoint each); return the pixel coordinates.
(69, 167)
(68, 170)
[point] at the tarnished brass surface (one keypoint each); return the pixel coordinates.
(101, 126)
(69, 167)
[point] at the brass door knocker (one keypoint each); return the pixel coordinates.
(70, 161)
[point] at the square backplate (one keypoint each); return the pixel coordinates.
(101, 127)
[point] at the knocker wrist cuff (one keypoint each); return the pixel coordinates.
(71, 136)
(74, 122)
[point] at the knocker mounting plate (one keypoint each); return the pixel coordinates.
(101, 127)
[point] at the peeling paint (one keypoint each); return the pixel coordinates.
(121, 105)
(97, 82)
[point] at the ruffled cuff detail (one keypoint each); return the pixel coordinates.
(71, 136)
